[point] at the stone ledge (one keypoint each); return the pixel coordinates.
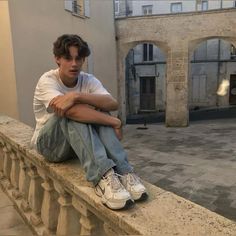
(163, 214)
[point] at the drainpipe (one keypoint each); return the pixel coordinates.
(218, 70)
(126, 8)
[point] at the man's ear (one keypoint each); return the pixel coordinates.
(57, 60)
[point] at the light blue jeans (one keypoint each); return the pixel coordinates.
(96, 146)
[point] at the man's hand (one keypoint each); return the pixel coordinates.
(119, 133)
(118, 129)
(62, 103)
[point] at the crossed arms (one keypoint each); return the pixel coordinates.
(81, 107)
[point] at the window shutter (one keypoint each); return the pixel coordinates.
(68, 5)
(145, 52)
(202, 88)
(87, 8)
(195, 88)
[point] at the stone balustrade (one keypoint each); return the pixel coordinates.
(55, 199)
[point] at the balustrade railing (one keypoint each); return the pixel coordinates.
(43, 199)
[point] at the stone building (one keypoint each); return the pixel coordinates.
(147, 7)
(211, 63)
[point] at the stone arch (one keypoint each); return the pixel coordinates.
(123, 50)
(193, 44)
(210, 77)
(130, 45)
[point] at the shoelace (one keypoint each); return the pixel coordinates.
(132, 179)
(114, 181)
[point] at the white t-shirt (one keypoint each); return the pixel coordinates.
(50, 86)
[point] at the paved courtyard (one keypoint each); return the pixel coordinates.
(197, 162)
(11, 222)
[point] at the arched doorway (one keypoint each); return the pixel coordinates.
(145, 79)
(212, 74)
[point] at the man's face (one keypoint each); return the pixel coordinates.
(70, 66)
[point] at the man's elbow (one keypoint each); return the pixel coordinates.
(113, 105)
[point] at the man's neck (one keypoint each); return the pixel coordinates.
(68, 82)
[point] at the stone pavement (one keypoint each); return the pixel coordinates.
(197, 162)
(11, 222)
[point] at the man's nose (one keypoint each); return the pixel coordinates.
(74, 62)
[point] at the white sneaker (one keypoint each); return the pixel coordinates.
(112, 192)
(133, 184)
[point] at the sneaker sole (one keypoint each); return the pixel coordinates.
(128, 204)
(115, 206)
(143, 197)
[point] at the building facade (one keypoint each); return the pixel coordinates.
(157, 7)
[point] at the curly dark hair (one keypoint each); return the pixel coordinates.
(62, 44)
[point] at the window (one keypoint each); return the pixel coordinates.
(204, 6)
(87, 8)
(176, 7)
(233, 52)
(147, 9)
(147, 52)
(234, 3)
(117, 8)
(78, 7)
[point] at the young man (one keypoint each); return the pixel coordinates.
(72, 120)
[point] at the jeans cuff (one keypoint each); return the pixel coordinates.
(102, 172)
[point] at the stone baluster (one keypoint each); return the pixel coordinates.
(14, 175)
(24, 183)
(50, 206)
(7, 165)
(68, 219)
(35, 195)
(1, 157)
(90, 224)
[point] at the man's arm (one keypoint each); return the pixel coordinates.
(61, 104)
(86, 114)
(105, 102)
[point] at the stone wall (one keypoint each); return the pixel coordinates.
(55, 199)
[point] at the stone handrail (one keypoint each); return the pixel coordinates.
(55, 199)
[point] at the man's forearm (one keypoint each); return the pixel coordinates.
(104, 102)
(85, 114)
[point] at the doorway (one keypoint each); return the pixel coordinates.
(232, 90)
(147, 94)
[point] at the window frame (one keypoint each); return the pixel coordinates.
(79, 8)
(232, 52)
(147, 8)
(117, 6)
(147, 52)
(176, 4)
(204, 3)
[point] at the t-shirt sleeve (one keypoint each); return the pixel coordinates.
(46, 90)
(96, 87)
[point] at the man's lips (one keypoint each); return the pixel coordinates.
(74, 71)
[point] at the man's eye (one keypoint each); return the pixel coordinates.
(67, 58)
